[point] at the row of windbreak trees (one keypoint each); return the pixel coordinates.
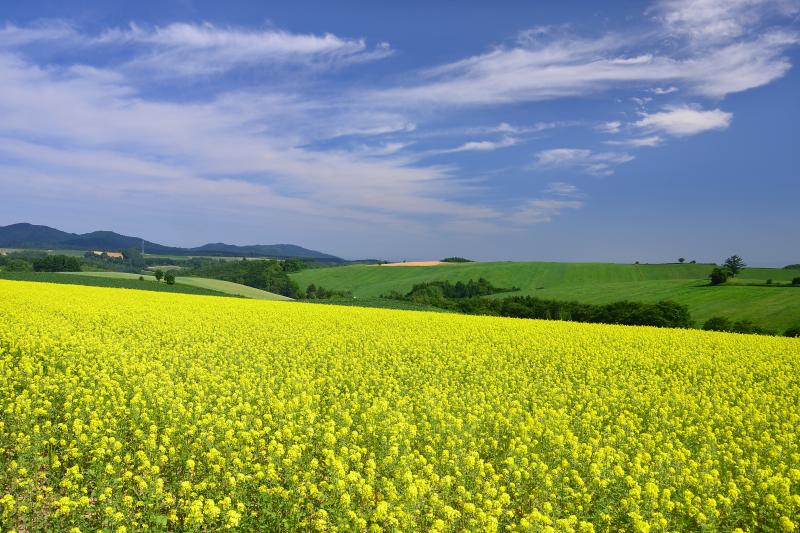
(39, 263)
(269, 275)
(469, 298)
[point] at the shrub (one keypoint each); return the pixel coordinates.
(796, 281)
(718, 276)
(456, 260)
(321, 293)
(769, 282)
(718, 323)
(17, 265)
(792, 332)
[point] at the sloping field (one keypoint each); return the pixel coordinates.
(772, 307)
(126, 409)
(117, 282)
(226, 287)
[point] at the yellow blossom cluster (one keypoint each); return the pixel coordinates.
(126, 411)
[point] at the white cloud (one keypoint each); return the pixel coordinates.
(598, 164)
(680, 121)
(609, 127)
(709, 22)
(75, 127)
(574, 67)
(558, 197)
(185, 49)
(100, 129)
(13, 36)
(482, 146)
(665, 90)
(542, 210)
(650, 141)
(561, 188)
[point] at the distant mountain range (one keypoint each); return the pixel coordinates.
(26, 235)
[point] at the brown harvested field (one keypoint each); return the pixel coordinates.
(413, 264)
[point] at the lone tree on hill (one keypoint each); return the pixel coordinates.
(169, 277)
(719, 276)
(159, 274)
(734, 264)
(681, 259)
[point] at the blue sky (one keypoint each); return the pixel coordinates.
(543, 131)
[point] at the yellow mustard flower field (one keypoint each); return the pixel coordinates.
(127, 410)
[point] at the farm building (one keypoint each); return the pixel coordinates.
(112, 255)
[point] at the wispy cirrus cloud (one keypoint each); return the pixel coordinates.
(609, 127)
(571, 66)
(203, 49)
(708, 22)
(638, 142)
(482, 146)
(557, 198)
(82, 127)
(561, 188)
(588, 161)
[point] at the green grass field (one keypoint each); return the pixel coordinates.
(118, 282)
(382, 303)
(215, 285)
(775, 307)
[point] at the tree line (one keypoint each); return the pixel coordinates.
(468, 298)
(269, 275)
(39, 263)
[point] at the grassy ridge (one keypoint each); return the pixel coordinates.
(116, 282)
(771, 307)
(214, 285)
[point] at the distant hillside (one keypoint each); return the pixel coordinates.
(595, 283)
(108, 240)
(25, 235)
(265, 250)
(30, 236)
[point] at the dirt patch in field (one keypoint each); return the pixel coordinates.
(413, 264)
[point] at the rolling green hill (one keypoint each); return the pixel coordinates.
(215, 285)
(773, 307)
(78, 278)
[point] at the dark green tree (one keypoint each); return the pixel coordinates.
(133, 256)
(719, 276)
(159, 274)
(681, 259)
(169, 277)
(17, 265)
(734, 264)
(57, 263)
(718, 323)
(294, 265)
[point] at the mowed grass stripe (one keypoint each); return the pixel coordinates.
(216, 285)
